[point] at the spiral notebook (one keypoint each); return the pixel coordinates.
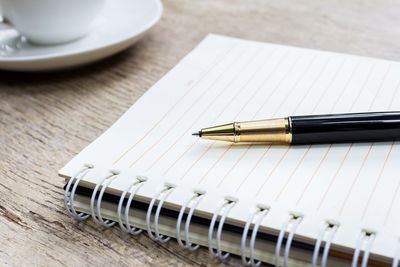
(285, 205)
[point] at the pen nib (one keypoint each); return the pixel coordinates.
(197, 134)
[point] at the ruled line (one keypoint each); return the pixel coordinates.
(398, 186)
(396, 91)
(334, 177)
(174, 105)
(293, 172)
(179, 138)
(299, 79)
(369, 151)
(230, 146)
(377, 181)
(394, 96)
(351, 145)
(345, 87)
(370, 148)
(329, 149)
(273, 170)
(246, 104)
(221, 112)
(234, 165)
(298, 105)
(254, 167)
(173, 125)
(311, 86)
(313, 175)
(197, 160)
(279, 106)
(309, 147)
(330, 83)
(388, 213)
(229, 103)
(265, 152)
(380, 88)
(181, 156)
(268, 148)
(359, 92)
(355, 179)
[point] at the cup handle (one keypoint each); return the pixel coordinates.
(3, 20)
(9, 40)
(4, 23)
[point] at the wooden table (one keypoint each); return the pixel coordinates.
(47, 118)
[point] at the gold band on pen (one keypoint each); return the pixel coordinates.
(273, 131)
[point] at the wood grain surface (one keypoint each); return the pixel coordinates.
(47, 118)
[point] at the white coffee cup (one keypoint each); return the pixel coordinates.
(51, 21)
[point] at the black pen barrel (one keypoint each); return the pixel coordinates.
(344, 128)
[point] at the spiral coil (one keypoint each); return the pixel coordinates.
(296, 221)
(261, 211)
(132, 188)
(69, 203)
(324, 238)
(228, 205)
(97, 217)
(329, 228)
(167, 190)
(396, 255)
(370, 236)
(196, 198)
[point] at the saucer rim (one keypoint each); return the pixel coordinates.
(122, 40)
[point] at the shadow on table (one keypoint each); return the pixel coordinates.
(38, 81)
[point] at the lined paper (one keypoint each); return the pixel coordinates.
(226, 79)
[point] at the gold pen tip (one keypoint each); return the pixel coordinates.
(197, 134)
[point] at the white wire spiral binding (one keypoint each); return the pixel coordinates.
(133, 188)
(229, 205)
(318, 244)
(371, 238)
(262, 212)
(196, 198)
(396, 255)
(78, 176)
(328, 245)
(297, 219)
(97, 218)
(157, 237)
(332, 231)
(357, 249)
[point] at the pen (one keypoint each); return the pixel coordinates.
(313, 129)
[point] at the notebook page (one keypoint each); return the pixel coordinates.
(225, 79)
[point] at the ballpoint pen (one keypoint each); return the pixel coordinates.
(331, 128)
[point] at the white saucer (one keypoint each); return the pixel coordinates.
(120, 25)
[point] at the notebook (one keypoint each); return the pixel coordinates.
(285, 205)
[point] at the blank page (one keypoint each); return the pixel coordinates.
(224, 80)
